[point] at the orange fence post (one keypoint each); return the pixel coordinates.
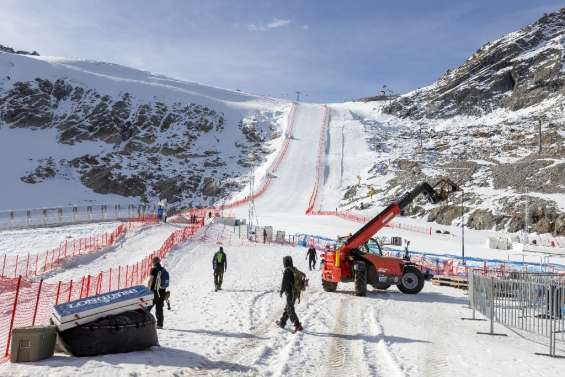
(70, 291)
(58, 291)
(37, 302)
(14, 307)
(87, 286)
(81, 287)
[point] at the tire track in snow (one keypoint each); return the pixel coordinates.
(346, 356)
(380, 356)
(286, 351)
(267, 347)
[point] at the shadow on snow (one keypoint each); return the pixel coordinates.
(222, 334)
(158, 357)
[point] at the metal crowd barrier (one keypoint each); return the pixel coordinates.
(37, 217)
(531, 302)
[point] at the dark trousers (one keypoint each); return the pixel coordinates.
(312, 263)
(158, 303)
(218, 278)
(289, 312)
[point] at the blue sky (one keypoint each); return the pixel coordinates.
(330, 50)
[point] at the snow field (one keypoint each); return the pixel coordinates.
(232, 332)
(136, 245)
(37, 240)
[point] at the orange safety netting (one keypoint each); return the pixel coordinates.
(24, 302)
(31, 265)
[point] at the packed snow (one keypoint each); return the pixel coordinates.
(36, 240)
(232, 332)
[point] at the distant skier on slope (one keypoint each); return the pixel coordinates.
(291, 286)
(312, 256)
(220, 265)
(158, 283)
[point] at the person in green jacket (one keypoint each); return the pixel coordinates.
(220, 265)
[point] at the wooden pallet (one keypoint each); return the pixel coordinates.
(451, 281)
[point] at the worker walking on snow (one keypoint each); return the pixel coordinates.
(158, 283)
(293, 283)
(220, 265)
(312, 256)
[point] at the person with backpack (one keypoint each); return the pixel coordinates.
(220, 265)
(293, 283)
(312, 256)
(158, 283)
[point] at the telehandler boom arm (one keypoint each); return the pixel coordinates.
(434, 194)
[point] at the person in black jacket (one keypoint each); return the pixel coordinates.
(312, 256)
(158, 292)
(287, 287)
(220, 265)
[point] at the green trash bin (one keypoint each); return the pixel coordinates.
(32, 343)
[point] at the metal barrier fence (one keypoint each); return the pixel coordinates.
(531, 302)
(34, 217)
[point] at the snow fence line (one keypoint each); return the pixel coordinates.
(438, 264)
(32, 265)
(319, 158)
(310, 210)
(273, 168)
(56, 216)
(27, 303)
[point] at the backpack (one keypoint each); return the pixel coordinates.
(162, 281)
(300, 282)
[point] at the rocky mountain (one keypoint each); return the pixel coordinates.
(517, 71)
(115, 130)
(496, 124)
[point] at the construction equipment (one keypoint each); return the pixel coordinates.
(358, 258)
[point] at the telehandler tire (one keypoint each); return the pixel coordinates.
(329, 286)
(412, 281)
(360, 270)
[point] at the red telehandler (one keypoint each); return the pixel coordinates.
(358, 258)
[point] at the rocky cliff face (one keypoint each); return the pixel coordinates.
(495, 124)
(148, 145)
(519, 70)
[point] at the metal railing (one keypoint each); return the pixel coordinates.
(531, 302)
(36, 217)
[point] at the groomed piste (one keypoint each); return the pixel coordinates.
(232, 332)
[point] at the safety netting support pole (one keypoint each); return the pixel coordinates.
(37, 302)
(14, 307)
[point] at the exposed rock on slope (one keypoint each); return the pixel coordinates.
(135, 134)
(479, 125)
(519, 70)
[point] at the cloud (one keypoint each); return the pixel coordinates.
(276, 23)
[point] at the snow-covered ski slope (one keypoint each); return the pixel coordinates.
(284, 204)
(22, 148)
(232, 332)
(345, 155)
